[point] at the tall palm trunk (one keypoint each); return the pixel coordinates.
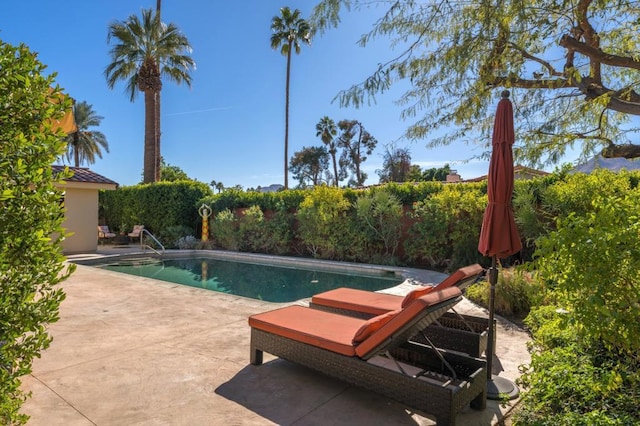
(335, 167)
(149, 137)
(76, 151)
(157, 155)
(286, 122)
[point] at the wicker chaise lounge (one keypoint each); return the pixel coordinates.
(377, 354)
(453, 331)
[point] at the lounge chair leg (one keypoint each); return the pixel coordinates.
(480, 401)
(256, 356)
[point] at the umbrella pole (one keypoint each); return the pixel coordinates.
(497, 387)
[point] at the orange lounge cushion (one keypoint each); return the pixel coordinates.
(414, 294)
(318, 328)
(387, 331)
(460, 275)
(372, 325)
(358, 300)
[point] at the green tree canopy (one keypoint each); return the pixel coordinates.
(84, 145)
(572, 68)
(309, 164)
(436, 174)
(173, 173)
(326, 129)
(144, 51)
(356, 144)
(396, 166)
(289, 30)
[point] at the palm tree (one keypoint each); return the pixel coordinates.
(289, 30)
(327, 130)
(83, 145)
(146, 50)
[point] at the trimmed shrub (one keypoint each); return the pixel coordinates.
(231, 199)
(158, 206)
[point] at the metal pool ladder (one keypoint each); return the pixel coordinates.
(146, 246)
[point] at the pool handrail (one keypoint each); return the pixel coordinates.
(146, 246)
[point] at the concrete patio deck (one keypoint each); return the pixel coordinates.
(136, 351)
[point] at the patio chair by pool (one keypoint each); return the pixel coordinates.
(104, 234)
(453, 331)
(136, 232)
(377, 354)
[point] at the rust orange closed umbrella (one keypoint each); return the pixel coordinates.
(499, 236)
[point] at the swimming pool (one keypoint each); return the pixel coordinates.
(271, 283)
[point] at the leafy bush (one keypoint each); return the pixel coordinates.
(585, 364)
(577, 385)
(516, 292)
(446, 228)
(279, 231)
(252, 230)
(223, 229)
(591, 263)
(320, 216)
(31, 214)
(379, 219)
(409, 193)
(171, 235)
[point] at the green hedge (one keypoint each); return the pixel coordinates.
(439, 227)
(232, 199)
(160, 207)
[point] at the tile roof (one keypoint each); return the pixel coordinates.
(83, 174)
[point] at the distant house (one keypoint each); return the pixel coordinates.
(519, 172)
(81, 208)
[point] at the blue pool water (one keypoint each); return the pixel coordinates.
(257, 281)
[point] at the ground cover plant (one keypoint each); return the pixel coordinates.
(31, 214)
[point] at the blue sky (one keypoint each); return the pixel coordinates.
(229, 126)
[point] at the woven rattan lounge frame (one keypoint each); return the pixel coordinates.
(437, 393)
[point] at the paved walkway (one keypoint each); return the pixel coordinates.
(136, 351)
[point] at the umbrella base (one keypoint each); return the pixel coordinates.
(499, 388)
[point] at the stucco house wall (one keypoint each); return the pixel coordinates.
(81, 209)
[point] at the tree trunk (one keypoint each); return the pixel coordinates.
(157, 154)
(76, 152)
(148, 175)
(335, 167)
(286, 122)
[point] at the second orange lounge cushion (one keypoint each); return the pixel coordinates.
(318, 328)
(351, 299)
